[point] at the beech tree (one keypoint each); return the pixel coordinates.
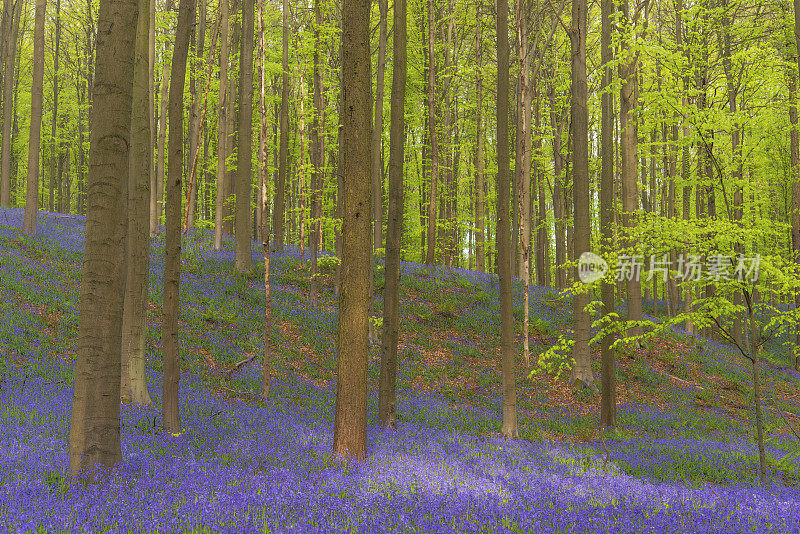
(95, 423)
(170, 413)
(244, 178)
(350, 426)
(34, 139)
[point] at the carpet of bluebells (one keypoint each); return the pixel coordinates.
(243, 465)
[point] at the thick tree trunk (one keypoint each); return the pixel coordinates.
(391, 295)
(225, 108)
(34, 140)
(95, 423)
(507, 348)
(279, 208)
(244, 167)
(350, 426)
(8, 100)
(170, 413)
(582, 367)
(134, 319)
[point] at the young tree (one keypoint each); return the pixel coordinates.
(278, 211)
(134, 326)
(94, 427)
(433, 137)
(244, 179)
(350, 427)
(394, 233)
(582, 369)
(222, 132)
(317, 153)
(503, 238)
(34, 139)
(170, 413)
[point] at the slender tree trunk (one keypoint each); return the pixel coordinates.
(8, 100)
(195, 119)
(229, 182)
(54, 118)
(394, 232)
(34, 140)
(628, 72)
(156, 199)
(95, 423)
(507, 349)
(582, 367)
(244, 180)
(350, 426)
(558, 190)
(377, 131)
(433, 136)
(317, 155)
(278, 212)
(222, 133)
(134, 319)
(170, 413)
(524, 170)
(608, 399)
(480, 218)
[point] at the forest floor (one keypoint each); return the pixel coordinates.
(682, 460)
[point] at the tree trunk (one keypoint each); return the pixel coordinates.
(317, 155)
(608, 399)
(350, 426)
(279, 208)
(524, 170)
(195, 119)
(8, 101)
(391, 294)
(95, 422)
(222, 132)
(507, 349)
(377, 131)
(34, 140)
(433, 136)
(54, 119)
(170, 413)
(582, 367)
(156, 197)
(134, 319)
(558, 190)
(244, 168)
(628, 72)
(480, 218)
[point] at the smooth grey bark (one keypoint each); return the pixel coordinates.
(222, 132)
(243, 261)
(8, 101)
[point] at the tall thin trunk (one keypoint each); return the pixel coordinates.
(377, 130)
(54, 118)
(34, 140)
(195, 118)
(225, 108)
(582, 367)
(244, 168)
(350, 425)
(263, 124)
(394, 232)
(507, 349)
(317, 155)
(156, 198)
(94, 436)
(608, 399)
(628, 72)
(480, 218)
(433, 137)
(279, 208)
(170, 413)
(558, 190)
(134, 326)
